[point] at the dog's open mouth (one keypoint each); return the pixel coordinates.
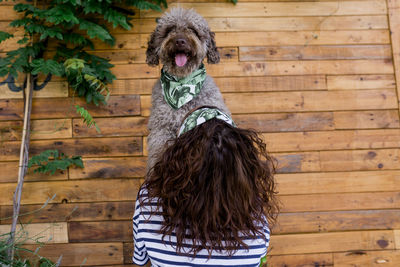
(181, 59)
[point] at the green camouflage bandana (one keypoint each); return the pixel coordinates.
(202, 115)
(178, 92)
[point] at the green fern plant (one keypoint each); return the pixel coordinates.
(72, 26)
(50, 161)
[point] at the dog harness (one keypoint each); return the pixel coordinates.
(201, 115)
(177, 92)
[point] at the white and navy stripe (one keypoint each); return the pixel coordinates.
(150, 246)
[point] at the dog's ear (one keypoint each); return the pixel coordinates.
(212, 51)
(151, 52)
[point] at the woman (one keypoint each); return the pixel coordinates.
(208, 200)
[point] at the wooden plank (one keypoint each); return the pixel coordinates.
(134, 71)
(297, 162)
(306, 260)
(39, 232)
(394, 22)
(366, 119)
(340, 202)
(397, 238)
(73, 191)
(243, 9)
(382, 159)
(331, 242)
(145, 151)
(286, 122)
(136, 86)
(128, 252)
(341, 160)
(314, 52)
(40, 129)
(52, 89)
(302, 38)
(8, 13)
(306, 101)
(271, 83)
(122, 146)
(126, 105)
(343, 82)
(311, 222)
(110, 168)
(78, 254)
(61, 212)
(227, 54)
(145, 105)
(332, 140)
(124, 126)
(122, 41)
(297, 23)
(110, 231)
(338, 182)
(9, 174)
(305, 67)
(390, 258)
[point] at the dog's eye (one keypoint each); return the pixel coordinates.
(195, 32)
(168, 30)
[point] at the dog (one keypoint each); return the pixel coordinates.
(181, 41)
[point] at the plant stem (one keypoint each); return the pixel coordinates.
(23, 162)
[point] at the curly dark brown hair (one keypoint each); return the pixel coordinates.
(215, 184)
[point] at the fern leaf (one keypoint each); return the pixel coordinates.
(87, 118)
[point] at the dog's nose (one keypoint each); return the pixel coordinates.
(180, 42)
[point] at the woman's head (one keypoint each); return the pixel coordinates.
(214, 183)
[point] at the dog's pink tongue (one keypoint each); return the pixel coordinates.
(180, 60)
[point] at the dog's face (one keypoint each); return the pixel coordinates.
(181, 40)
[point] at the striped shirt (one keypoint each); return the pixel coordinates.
(148, 244)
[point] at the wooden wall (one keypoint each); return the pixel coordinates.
(317, 78)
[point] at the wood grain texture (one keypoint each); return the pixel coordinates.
(100, 231)
(123, 126)
(340, 202)
(340, 82)
(338, 182)
(62, 212)
(339, 160)
(332, 140)
(298, 68)
(394, 20)
(380, 119)
(298, 23)
(39, 232)
(283, 9)
(83, 253)
(125, 105)
(40, 129)
(305, 101)
(335, 221)
(306, 260)
(9, 174)
(367, 258)
(331, 242)
(302, 38)
(314, 52)
(110, 168)
(73, 191)
(52, 89)
(286, 122)
(121, 146)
